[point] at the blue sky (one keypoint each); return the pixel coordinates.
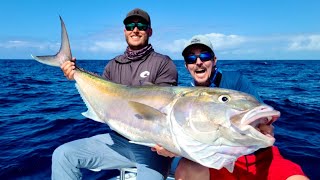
(246, 29)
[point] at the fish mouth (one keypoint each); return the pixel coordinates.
(261, 118)
(264, 125)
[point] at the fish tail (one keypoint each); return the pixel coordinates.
(64, 53)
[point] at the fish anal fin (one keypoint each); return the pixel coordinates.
(143, 143)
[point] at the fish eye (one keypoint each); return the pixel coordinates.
(224, 98)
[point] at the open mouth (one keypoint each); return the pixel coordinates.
(261, 118)
(135, 37)
(200, 71)
(264, 125)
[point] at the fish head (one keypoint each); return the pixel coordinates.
(222, 120)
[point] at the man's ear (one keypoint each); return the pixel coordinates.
(215, 60)
(149, 32)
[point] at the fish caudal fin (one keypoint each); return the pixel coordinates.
(64, 53)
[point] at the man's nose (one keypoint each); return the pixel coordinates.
(198, 61)
(135, 29)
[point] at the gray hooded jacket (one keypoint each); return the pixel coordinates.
(152, 68)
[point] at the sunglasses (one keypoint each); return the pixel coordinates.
(204, 56)
(140, 26)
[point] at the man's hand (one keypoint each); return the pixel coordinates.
(68, 68)
(162, 151)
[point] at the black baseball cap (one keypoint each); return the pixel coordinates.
(138, 13)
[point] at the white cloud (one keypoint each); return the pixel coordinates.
(173, 47)
(105, 46)
(226, 46)
(22, 44)
(14, 44)
(222, 41)
(219, 41)
(255, 47)
(309, 43)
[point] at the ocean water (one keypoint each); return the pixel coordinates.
(40, 110)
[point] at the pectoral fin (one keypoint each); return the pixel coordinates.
(230, 167)
(146, 112)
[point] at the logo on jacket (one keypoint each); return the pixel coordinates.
(144, 74)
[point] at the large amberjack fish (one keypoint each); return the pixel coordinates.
(211, 126)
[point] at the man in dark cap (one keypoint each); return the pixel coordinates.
(138, 65)
(138, 13)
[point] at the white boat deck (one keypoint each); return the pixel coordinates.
(130, 174)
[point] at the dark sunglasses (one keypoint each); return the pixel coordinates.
(204, 56)
(140, 26)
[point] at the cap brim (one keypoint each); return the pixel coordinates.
(127, 19)
(187, 48)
